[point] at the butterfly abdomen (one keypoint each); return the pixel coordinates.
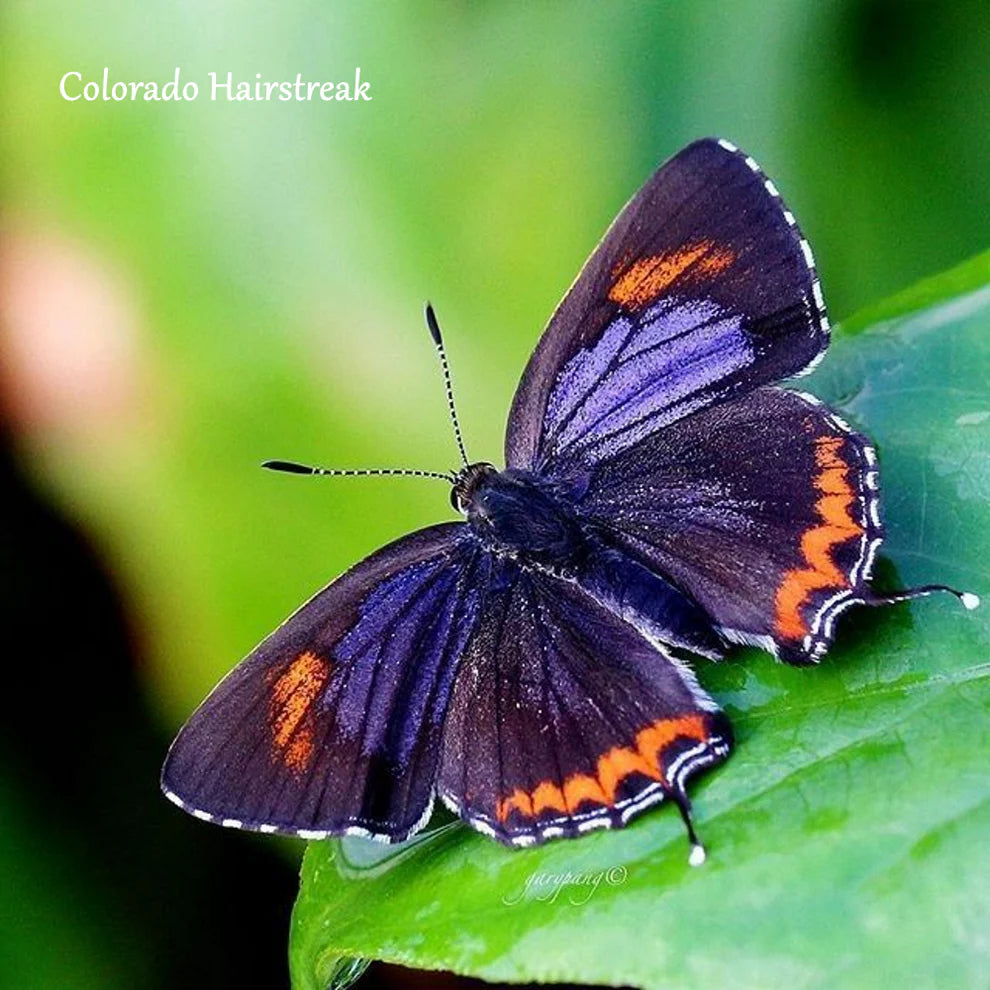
(651, 604)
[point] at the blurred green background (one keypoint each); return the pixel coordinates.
(190, 288)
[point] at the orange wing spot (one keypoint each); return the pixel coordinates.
(292, 694)
(612, 768)
(298, 755)
(644, 280)
(817, 544)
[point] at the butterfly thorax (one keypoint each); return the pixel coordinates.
(517, 513)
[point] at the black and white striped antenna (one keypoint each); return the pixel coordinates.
(293, 467)
(431, 322)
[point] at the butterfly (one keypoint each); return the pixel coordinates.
(662, 496)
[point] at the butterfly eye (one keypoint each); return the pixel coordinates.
(459, 499)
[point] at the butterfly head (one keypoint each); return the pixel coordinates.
(467, 482)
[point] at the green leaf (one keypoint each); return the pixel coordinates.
(849, 834)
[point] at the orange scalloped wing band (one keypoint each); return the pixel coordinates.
(836, 498)
(614, 766)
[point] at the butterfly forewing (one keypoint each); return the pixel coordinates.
(332, 725)
(702, 289)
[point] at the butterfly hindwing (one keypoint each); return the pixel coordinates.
(332, 724)
(764, 509)
(702, 289)
(563, 718)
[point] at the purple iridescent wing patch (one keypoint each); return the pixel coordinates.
(332, 724)
(702, 289)
(643, 373)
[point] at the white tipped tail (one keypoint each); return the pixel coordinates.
(970, 600)
(697, 856)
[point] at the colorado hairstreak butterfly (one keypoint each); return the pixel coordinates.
(661, 495)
